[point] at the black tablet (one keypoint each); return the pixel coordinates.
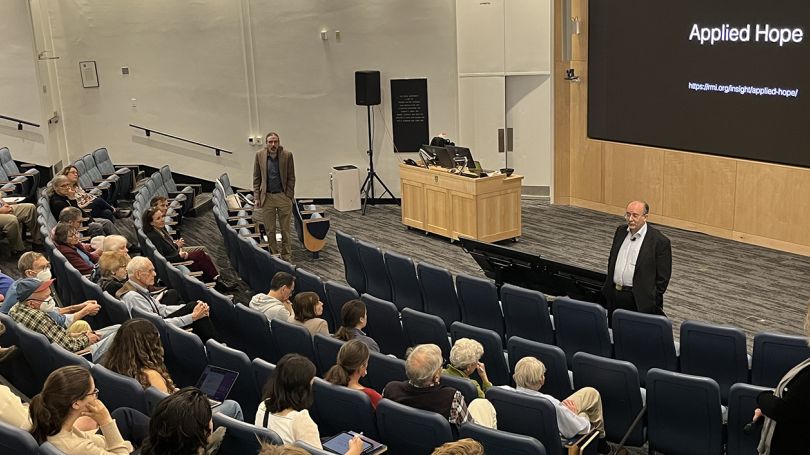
(340, 444)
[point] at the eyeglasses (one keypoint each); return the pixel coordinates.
(73, 234)
(47, 267)
(94, 393)
(633, 216)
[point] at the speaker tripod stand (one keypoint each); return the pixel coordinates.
(368, 184)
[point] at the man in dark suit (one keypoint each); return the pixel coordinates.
(639, 266)
(274, 192)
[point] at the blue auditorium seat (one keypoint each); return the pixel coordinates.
(714, 351)
(243, 438)
(497, 370)
(558, 382)
(526, 314)
(353, 269)
(384, 327)
(439, 293)
(293, 338)
(499, 442)
(581, 327)
(774, 355)
(326, 351)
(245, 391)
(378, 283)
(410, 431)
(259, 342)
(478, 299)
(742, 401)
(118, 391)
(645, 340)
(343, 409)
(423, 328)
(404, 282)
(14, 441)
(336, 296)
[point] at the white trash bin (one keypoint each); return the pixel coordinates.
(346, 188)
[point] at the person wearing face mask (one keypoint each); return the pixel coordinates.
(276, 303)
(274, 192)
(639, 265)
(33, 296)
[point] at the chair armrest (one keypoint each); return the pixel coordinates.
(194, 274)
(309, 212)
(263, 245)
(243, 217)
(103, 181)
(95, 187)
(4, 182)
(27, 174)
(240, 226)
(245, 191)
(28, 165)
(304, 201)
(171, 214)
(182, 192)
(181, 263)
(176, 199)
(245, 209)
(7, 190)
(210, 285)
(83, 351)
(171, 223)
(250, 235)
(126, 165)
(316, 220)
(107, 174)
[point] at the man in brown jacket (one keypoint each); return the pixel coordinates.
(274, 191)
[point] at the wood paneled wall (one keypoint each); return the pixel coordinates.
(753, 202)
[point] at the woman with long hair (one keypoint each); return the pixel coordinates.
(352, 364)
(180, 425)
(99, 208)
(154, 226)
(784, 409)
(285, 399)
(355, 318)
(70, 393)
(307, 306)
(137, 352)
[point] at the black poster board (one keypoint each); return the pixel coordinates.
(409, 111)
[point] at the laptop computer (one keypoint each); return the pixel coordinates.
(216, 383)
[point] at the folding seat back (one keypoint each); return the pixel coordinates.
(684, 414)
(527, 415)
(404, 282)
(463, 385)
(61, 357)
(293, 338)
(242, 437)
(256, 278)
(106, 167)
(189, 352)
(499, 442)
(480, 307)
(581, 327)
(118, 391)
(384, 327)
(262, 370)
(774, 355)
(245, 391)
(411, 431)
(336, 296)
(259, 341)
(281, 265)
(223, 315)
(378, 283)
(35, 348)
(526, 314)
(153, 396)
(15, 441)
(423, 328)
(742, 401)
(352, 266)
(343, 409)
(558, 382)
(713, 351)
(493, 358)
(31, 175)
(226, 184)
(382, 370)
(618, 384)
(326, 351)
(439, 293)
(645, 340)
(49, 449)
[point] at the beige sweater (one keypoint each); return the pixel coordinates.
(314, 325)
(77, 442)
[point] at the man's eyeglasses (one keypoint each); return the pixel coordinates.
(633, 216)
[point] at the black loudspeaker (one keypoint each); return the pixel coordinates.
(367, 88)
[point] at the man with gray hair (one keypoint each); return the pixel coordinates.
(576, 414)
(423, 391)
(135, 294)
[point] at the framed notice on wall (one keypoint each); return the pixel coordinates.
(89, 74)
(409, 111)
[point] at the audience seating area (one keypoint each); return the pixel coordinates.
(687, 386)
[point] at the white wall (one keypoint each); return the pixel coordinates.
(192, 74)
(19, 97)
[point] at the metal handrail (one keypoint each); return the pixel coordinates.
(149, 131)
(20, 123)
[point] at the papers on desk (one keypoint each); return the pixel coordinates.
(13, 200)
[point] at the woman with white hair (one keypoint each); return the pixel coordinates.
(785, 409)
(465, 358)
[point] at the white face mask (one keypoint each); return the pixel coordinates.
(44, 275)
(48, 305)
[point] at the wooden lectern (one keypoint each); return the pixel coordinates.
(451, 205)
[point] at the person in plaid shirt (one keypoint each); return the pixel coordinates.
(34, 299)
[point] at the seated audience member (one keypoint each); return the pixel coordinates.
(465, 358)
(11, 217)
(35, 296)
(461, 447)
(276, 303)
(111, 243)
(79, 255)
(61, 197)
(5, 283)
(12, 410)
(137, 352)
(113, 271)
(423, 391)
(99, 208)
(352, 364)
(286, 449)
(355, 317)
(181, 425)
(285, 400)
(35, 265)
(306, 309)
(69, 394)
(134, 294)
(154, 226)
(162, 203)
(575, 415)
